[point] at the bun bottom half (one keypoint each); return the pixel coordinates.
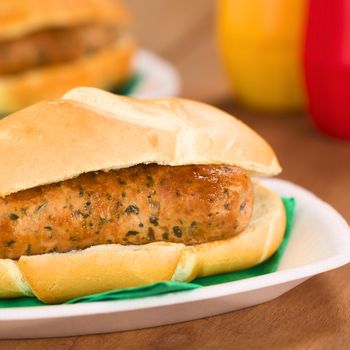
(58, 277)
(103, 69)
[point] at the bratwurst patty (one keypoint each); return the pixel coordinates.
(142, 204)
(54, 46)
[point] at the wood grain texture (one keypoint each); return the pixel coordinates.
(316, 314)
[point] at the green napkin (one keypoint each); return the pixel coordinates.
(128, 87)
(167, 287)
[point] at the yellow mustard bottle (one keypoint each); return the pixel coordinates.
(261, 43)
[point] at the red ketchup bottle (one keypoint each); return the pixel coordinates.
(327, 65)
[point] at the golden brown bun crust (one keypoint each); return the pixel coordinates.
(57, 277)
(110, 66)
(60, 139)
(19, 17)
(12, 284)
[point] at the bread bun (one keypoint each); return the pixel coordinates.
(55, 277)
(21, 17)
(91, 130)
(104, 68)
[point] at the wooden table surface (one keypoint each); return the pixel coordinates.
(314, 315)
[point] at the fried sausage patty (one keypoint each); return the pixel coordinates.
(54, 46)
(137, 205)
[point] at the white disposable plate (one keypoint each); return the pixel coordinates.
(320, 242)
(158, 77)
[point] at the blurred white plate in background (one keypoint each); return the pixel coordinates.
(158, 77)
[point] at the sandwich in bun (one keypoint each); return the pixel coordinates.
(101, 192)
(50, 46)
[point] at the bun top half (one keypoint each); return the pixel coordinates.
(90, 130)
(21, 17)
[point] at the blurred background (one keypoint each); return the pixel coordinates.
(183, 32)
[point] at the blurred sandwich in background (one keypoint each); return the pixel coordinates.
(50, 46)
